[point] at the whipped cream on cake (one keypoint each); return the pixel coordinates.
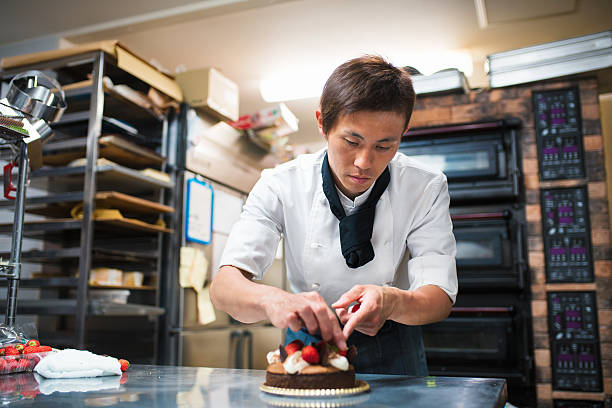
(317, 366)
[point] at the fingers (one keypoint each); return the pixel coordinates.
(310, 319)
(349, 297)
(343, 315)
(334, 332)
(351, 323)
(294, 322)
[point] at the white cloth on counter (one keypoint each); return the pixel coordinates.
(72, 363)
(412, 234)
(49, 386)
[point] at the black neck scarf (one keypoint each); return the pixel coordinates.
(355, 229)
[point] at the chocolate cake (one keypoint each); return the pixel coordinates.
(311, 377)
(320, 366)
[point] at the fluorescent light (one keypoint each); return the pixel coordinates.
(300, 84)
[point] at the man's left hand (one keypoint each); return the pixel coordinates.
(376, 305)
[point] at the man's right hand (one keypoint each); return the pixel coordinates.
(306, 309)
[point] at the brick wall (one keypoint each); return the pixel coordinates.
(516, 102)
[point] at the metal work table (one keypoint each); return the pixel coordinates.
(167, 386)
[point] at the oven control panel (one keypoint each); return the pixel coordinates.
(567, 235)
(558, 127)
(574, 341)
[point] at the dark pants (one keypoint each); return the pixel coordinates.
(396, 349)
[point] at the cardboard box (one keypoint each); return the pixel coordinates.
(210, 91)
(126, 60)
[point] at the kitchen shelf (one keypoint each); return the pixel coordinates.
(131, 145)
(50, 282)
(94, 308)
(69, 282)
(115, 105)
(54, 255)
(38, 229)
(111, 147)
(109, 176)
(59, 205)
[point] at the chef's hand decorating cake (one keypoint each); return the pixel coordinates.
(317, 366)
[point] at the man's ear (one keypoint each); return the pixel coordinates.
(320, 123)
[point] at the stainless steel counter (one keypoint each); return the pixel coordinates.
(163, 386)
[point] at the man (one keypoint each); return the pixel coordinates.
(363, 225)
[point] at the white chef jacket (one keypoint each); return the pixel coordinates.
(412, 234)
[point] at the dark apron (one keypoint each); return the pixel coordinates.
(396, 349)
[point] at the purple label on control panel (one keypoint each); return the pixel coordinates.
(586, 357)
(551, 214)
(570, 149)
(565, 357)
(557, 251)
(565, 220)
(572, 313)
(558, 121)
(564, 208)
(578, 250)
(573, 325)
(550, 150)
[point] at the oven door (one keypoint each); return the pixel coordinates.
(489, 250)
(480, 160)
(480, 336)
(462, 159)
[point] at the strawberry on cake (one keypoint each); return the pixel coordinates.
(317, 366)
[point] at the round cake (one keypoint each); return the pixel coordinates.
(320, 366)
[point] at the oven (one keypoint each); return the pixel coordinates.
(490, 251)
(486, 335)
(479, 159)
(473, 335)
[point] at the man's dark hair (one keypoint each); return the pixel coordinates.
(367, 83)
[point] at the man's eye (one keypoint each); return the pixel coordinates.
(383, 147)
(351, 143)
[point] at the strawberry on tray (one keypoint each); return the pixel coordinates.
(18, 357)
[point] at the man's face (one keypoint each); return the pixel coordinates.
(360, 145)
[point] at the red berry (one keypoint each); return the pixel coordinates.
(33, 343)
(124, 364)
(310, 355)
(2, 351)
(43, 349)
(342, 353)
(29, 349)
(20, 347)
(23, 364)
(295, 345)
(11, 351)
(11, 366)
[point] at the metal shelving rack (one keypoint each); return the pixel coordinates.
(90, 177)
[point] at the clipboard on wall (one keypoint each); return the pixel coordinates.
(199, 212)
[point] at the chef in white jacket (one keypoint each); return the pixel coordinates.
(363, 225)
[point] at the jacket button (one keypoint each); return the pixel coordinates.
(315, 286)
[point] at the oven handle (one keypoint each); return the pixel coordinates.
(483, 216)
(504, 310)
(515, 171)
(520, 263)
